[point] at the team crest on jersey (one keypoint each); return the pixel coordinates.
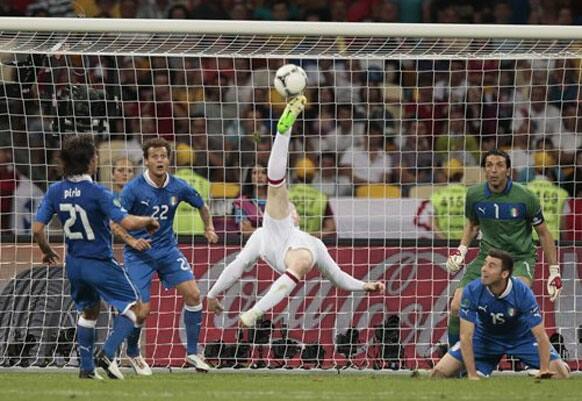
(511, 312)
(116, 202)
(173, 201)
(514, 212)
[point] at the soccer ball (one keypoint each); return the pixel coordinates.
(290, 80)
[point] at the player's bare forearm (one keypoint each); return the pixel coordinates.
(40, 238)
(469, 232)
(122, 234)
(50, 256)
(209, 232)
(548, 244)
(544, 346)
(206, 217)
(467, 329)
(131, 222)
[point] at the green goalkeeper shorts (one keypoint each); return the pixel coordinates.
(521, 268)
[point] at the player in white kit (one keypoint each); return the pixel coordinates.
(279, 242)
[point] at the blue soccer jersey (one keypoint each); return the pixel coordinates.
(502, 325)
(142, 197)
(85, 209)
(507, 318)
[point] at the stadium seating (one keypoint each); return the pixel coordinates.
(223, 190)
(378, 191)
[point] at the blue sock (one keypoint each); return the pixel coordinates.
(192, 323)
(133, 342)
(122, 327)
(86, 341)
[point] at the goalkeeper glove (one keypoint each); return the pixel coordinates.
(554, 284)
(456, 259)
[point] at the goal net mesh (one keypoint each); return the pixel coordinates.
(391, 138)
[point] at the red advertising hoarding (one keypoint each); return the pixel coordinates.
(418, 289)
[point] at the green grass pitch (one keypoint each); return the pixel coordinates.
(49, 386)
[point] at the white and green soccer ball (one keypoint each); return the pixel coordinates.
(290, 80)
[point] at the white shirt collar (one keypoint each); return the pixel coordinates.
(146, 176)
(506, 292)
(79, 178)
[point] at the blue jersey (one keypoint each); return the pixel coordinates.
(85, 209)
(142, 197)
(507, 318)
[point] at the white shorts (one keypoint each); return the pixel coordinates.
(279, 236)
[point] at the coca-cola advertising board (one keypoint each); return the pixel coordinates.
(418, 291)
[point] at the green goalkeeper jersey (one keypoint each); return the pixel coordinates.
(506, 219)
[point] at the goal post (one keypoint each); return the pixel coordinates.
(396, 113)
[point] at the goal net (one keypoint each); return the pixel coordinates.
(397, 121)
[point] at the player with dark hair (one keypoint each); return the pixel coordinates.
(157, 193)
(85, 210)
(500, 316)
(505, 212)
(279, 242)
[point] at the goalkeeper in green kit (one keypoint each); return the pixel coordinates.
(505, 212)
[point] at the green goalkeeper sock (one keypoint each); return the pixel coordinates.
(454, 329)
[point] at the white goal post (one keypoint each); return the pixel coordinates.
(438, 95)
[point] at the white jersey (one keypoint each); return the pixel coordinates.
(276, 237)
(271, 243)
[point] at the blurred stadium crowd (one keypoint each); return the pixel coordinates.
(395, 124)
(560, 12)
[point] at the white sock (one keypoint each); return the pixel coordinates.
(280, 289)
(277, 166)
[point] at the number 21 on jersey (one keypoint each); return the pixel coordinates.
(73, 211)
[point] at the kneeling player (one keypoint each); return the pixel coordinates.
(500, 316)
(279, 242)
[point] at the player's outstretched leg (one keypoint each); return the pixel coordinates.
(277, 198)
(277, 208)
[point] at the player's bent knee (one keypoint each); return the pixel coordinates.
(92, 313)
(300, 265)
(141, 310)
(192, 297)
